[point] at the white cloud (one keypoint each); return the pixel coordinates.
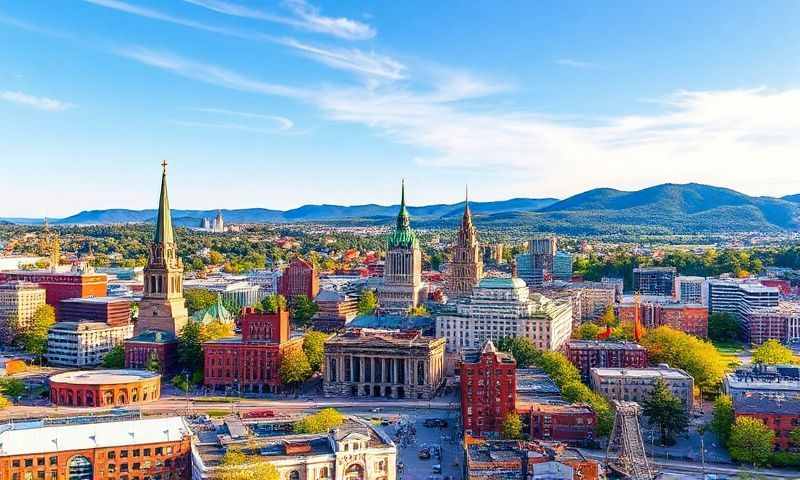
(306, 17)
(40, 103)
(569, 62)
(282, 123)
(354, 60)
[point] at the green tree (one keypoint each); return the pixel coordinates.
(587, 331)
(418, 311)
(34, 337)
(320, 422)
(153, 364)
(698, 357)
(794, 436)
(115, 358)
(521, 348)
(750, 441)
(723, 327)
(368, 303)
(190, 346)
(511, 428)
(664, 409)
(12, 387)
(314, 348)
(772, 352)
(271, 303)
(722, 418)
(608, 318)
(294, 367)
(198, 299)
(236, 465)
(303, 309)
(181, 383)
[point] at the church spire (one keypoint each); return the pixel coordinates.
(467, 212)
(164, 233)
(403, 218)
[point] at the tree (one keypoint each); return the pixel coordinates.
(215, 329)
(521, 348)
(751, 441)
(12, 387)
(190, 346)
(723, 327)
(368, 303)
(236, 465)
(794, 436)
(664, 409)
(4, 402)
(722, 418)
(418, 311)
(153, 364)
(34, 337)
(587, 331)
(320, 422)
(294, 367)
(115, 358)
(198, 299)
(314, 348)
(511, 428)
(772, 352)
(303, 309)
(271, 303)
(216, 258)
(181, 383)
(698, 357)
(608, 318)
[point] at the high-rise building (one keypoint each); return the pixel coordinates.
(562, 266)
(738, 297)
(299, 278)
(504, 307)
(691, 290)
(218, 226)
(536, 266)
(402, 286)
(18, 302)
(654, 280)
(488, 389)
(466, 266)
(162, 308)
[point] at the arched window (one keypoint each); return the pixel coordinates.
(354, 472)
(80, 468)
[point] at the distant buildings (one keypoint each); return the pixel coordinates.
(536, 265)
(781, 323)
(562, 266)
(591, 300)
(373, 363)
(267, 280)
(84, 344)
(217, 225)
(738, 297)
(636, 384)
(336, 310)
(299, 278)
(779, 414)
(114, 311)
(402, 287)
(83, 448)
(18, 302)
(504, 307)
(589, 354)
(251, 361)
(466, 266)
(488, 390)
(778, 381)
(691, 290)
(689, 318)
(654, 280)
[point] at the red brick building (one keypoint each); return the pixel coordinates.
(588, 354)
(105, 447)
(689, 318)
(250, 362)
(299, 278)
(573, 424)
(336, 309)
(780, 415)
(162, 346)
(488, 390)
(114, 311)
(104, 388)
(61, 286)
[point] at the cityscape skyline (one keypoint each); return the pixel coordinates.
(253, 96)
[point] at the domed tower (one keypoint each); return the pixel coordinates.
(466, 266)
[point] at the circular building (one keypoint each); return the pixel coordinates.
(104, 388)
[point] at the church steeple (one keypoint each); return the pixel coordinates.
(164, 232)
(403, 218)
(467, 220)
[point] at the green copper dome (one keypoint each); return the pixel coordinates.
(403, 236)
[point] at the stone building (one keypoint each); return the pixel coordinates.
(18, 302)
(162, 308)
(402, 287)
(636, 384)
(84, 344)
(466, 266)
(378, 363)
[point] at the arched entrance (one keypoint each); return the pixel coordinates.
(354, 472)
(80, 468)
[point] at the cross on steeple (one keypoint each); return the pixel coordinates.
(164, 166)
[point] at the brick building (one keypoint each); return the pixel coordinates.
(781, 323)
(574, 424)
(250, 361)
(114, 311)
(162, 346)
(299, 278)
(62, 285)
(488, 389)
(336, 310)
(104, 388)
(588, 354)
(102, 447)
(780, 414)
(689, 318)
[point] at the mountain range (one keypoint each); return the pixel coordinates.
(666, 208)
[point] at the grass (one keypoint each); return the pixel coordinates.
(216, 399)
(730, 351)
(218, 413)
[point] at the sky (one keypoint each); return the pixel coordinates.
(279, 104)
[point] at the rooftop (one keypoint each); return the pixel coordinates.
(663, 372)
(98, 300)
(401, 338)
(105, 377)
(533, 381)
(604, 345)
(153, 336)
(82, 326)
(767, 404)
(504, 283)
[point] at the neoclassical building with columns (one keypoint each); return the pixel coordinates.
(381, 363)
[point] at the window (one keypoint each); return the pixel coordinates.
(146, 452)
(28, 462)
(80, 468)
(112, 455)
(40, 462)
(136, 452)
(159, 451)
(53, 461)
(15, 463)
(123, 454)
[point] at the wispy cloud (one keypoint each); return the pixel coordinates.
(39, 103)
(368, 64)
(229, 126)
(569, 62)
(305, 17)
(282, 123)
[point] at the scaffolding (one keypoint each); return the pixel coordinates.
(626, 442)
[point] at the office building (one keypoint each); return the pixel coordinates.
(504, 307)
(59, 286)
(466, 266)
(299, 278)
(654, 281)
(488, 390)
(18, 302)
(336, 310)
(267, 280)
(781, 323)
(589, 354)
(574, 424)
(382, 363)
(636, 384)
(84, 344)
(562, 266)
(691, 290)
(591, 300)
(114, 311)
(738, 297)
(779, 381)
(536, 266)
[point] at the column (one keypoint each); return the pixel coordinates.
(362, 371)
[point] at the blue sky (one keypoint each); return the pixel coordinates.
(278, 104)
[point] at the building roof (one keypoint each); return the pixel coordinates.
(98, 300)
(24, 440)
(504, 283)
(83, 326)
(153, 336)
(408, 338)
(534, 381)
(403, 236)
(392, 322)
(664, 372)
(216, 312)
(103, 377)
(765, 403)
(604, 345)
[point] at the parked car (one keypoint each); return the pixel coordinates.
(437, 468)
(424, 454)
